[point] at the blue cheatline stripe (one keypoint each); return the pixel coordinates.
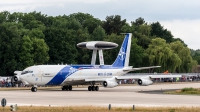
(69, 70)
(62, 75)
(120, 60)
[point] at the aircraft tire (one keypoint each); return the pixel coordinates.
(63, 88)
(66, 87)
(34, 89)
(89, 88)
(97, 88)
(70, 87)
(93, 88)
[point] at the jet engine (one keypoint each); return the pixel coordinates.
(110, 83)
(144, 81)
(16, 78)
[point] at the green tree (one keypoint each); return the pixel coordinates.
(98, 34)
(25, 54)
(136, 54)
(40, 51)
(161, 54)
(36, 33)
(159, 31)
(4, 16)
(9, 33)
(142, 33)
(184, 54)
(84, 56)
(196, 55)
(86, 21)
(127, 28)
(139, 21)
(113, 24)
(62, 45)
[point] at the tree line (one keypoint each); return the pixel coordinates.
(34, 38)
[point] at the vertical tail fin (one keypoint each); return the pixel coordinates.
(122, 59)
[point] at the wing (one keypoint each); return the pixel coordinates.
(148, 76)
(140, 68)
(133, 77)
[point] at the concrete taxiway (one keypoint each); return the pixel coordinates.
(118, 96)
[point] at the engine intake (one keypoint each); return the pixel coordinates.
(110, 83)
(144, 82)
(16, 78)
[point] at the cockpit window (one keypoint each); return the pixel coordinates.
(25, 72)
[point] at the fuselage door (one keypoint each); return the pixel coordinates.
(40, 75)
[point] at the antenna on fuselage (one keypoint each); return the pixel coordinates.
(97, 46)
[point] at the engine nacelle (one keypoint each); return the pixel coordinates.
(144, 81)
(110, 83)
(16, 78)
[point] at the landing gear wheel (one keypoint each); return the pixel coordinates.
(63, 88)
(67, 87)
(70, 87)
(93, 88)
(89, 88)
(34, 89)
(97, 88)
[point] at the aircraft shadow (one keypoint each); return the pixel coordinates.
(156, 91)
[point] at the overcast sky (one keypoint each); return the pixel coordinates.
(181, 17)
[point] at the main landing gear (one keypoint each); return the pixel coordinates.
(93, 88)
(67, 87)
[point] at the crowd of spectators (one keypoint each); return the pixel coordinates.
(7, 82)
(160, 80)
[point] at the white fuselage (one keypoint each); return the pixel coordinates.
(66, 74)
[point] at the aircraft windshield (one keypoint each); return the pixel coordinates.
(25, 72)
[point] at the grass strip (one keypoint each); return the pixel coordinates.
(100, 109)
(185, 91)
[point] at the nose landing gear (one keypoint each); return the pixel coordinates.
(34, 89)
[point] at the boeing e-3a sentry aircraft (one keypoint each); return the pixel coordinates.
(108, 75)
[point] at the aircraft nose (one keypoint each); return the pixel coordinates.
(22, 77)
